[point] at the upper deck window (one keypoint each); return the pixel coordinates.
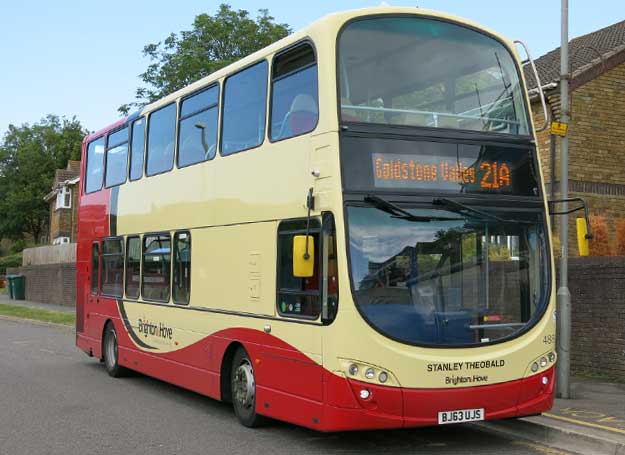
(161, 139)
(422, 72)
(244, 109)
(117, 158)
(197, 133)
(137, 145)
(294, 98)
(95, 165)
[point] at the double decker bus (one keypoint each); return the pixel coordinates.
(345, 230)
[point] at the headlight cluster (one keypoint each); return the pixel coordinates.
(543, 362)
(368, 373)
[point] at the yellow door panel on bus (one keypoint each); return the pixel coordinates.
(234, 268)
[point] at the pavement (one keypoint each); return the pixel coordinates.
(592, 421)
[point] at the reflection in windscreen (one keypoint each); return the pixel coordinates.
(422, 72)
(450, 281)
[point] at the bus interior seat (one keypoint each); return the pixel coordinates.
(302, 116)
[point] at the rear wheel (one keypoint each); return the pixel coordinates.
(110, 352)
(243, 386)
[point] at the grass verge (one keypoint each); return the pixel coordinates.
(37, 314)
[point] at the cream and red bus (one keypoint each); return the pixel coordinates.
(344, 230)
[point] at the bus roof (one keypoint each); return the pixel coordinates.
(331, 22)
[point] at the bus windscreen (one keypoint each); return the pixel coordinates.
(411, 71)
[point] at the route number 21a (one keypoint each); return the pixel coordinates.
(496, 175)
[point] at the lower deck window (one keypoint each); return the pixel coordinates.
(133, 267)
(156, 267)
(112, 267)
(182, 267)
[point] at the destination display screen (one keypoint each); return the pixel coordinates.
(425, 172)
(427, 166)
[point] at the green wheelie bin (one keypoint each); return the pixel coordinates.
(19, 287)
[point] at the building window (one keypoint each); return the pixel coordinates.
(155, 277)
(95, 267)
(117, 158)
(294, 93)
(137, 146)
(298, 297)
(133, 267)
(64, 198)
(197, 133)
(161, 139)
(244, 109)
(95, 165)
(182, 267)
(112, 275)
(60, 241)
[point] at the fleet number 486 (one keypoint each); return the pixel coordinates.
(549, 339)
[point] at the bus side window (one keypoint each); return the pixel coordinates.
(298, 297)
(294, 93)
(95, 267)
(197, 130)
(156, 270)
(244, 108)
(95, 166)
(133, 266)
(161, 139)
(112, 277)
(182, 267)
(116, 158)
(137, 146)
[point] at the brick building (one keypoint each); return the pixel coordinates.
(63, 200)
(597, 126)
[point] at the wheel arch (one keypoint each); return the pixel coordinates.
(104, 327)
(225, 375)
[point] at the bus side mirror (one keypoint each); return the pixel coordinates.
(582, 237)
(303, 262)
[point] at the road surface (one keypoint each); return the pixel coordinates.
(56, 400)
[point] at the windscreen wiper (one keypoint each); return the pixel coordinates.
(398, 212)
(460, 208)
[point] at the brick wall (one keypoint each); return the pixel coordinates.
(596, 148)
(597, 288)
(51, 283)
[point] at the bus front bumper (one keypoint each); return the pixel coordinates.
(395, 407)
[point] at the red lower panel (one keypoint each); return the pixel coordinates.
(293, 388)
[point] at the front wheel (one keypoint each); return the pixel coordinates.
(243, 386)
(110, 352)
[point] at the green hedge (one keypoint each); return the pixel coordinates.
(14, 260)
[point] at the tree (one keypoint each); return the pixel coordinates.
(29, 155)
(214, 42)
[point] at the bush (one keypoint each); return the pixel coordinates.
(620, 237)
(14, 260)
(600, 243)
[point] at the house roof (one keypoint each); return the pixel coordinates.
(585, 52)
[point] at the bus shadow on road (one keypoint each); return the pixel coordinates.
(460, 437)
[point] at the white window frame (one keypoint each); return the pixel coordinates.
(61, 240)
(64, 198)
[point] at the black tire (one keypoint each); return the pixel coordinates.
(110, 353)
(243, 387)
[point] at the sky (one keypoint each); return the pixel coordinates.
(82, 58)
